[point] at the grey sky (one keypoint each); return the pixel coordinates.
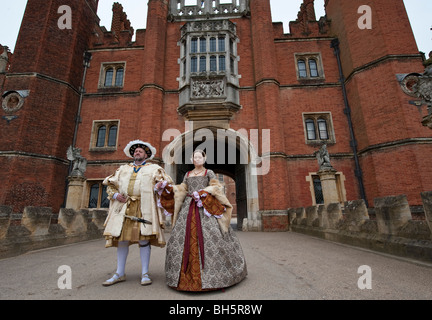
(282, 11)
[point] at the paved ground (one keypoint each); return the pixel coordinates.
(281, 266)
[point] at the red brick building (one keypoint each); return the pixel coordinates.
(217, 67)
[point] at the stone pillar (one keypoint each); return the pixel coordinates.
(328, 184)
(75, 192)
(427, 206)
(391, 213)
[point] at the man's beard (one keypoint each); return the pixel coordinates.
(139, 159)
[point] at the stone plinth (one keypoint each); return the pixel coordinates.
(75, 192)
(328, 184)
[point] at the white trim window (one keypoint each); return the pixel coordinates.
(112, 75)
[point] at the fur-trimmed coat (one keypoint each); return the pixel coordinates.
(146, 179)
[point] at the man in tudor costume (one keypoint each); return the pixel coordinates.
(134, 216)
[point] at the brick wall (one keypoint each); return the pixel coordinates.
(49, 63)
(391, 140)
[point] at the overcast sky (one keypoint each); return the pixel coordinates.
(419, 12)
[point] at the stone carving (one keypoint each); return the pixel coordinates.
(209, 26)
(14, 100)
(207, 9)
(4, 60)
(208, 89)
(79, 162)
(420, 86)
(323, 158)
(428, 66)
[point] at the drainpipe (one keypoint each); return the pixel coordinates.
(87, 58)
(347, 111)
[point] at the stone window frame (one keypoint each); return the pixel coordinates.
(105, 66)
(315, 117)
(209, 29)
(97, 124)
(340, 185)
(307, 57)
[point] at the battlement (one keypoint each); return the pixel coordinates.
(389, 227)
(180, 10)
(38, 228)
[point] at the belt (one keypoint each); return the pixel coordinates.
(136, 198)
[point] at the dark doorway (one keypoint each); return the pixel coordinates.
(235, 171)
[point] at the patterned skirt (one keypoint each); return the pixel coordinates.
(200, 257)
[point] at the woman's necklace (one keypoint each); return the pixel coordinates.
(198, 173)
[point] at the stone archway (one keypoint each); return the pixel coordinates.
(228, 153)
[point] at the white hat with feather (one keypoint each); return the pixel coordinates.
(132, 145)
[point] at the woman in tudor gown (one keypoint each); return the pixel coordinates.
(203, 252)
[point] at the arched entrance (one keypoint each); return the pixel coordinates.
(228, 153)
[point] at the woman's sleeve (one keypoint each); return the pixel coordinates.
(185, 177)
(211, 205)
(211, 174)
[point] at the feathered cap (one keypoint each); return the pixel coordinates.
(148, 149)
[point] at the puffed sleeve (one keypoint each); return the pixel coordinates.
(112, 184)
(211, 175)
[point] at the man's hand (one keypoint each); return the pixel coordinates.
(159, 184)
(121, 198)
